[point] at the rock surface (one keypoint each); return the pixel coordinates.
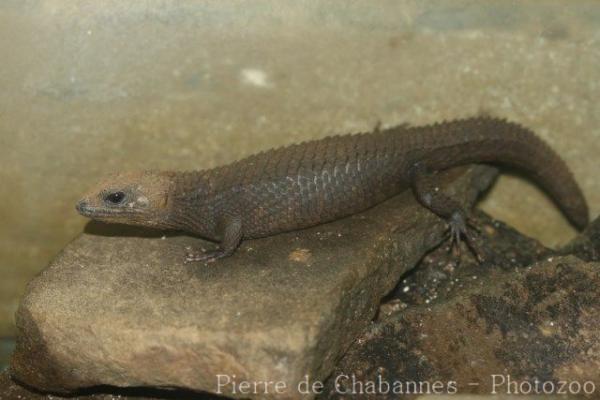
(512, 316)
(125, 311)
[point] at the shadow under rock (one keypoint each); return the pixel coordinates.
(106, 392)
(140, 393)
(105, 229)
(7, 346)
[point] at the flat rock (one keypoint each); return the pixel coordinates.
(122, 310)
(527, 315)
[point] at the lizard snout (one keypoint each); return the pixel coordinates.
(82, 207)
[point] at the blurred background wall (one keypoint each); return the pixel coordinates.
(91, 87)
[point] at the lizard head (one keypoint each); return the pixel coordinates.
(132, 198)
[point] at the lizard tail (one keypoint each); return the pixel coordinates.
(486, 139)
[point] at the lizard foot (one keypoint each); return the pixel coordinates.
(207, 257)
(461, 227)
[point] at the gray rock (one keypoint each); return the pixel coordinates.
(125, 311)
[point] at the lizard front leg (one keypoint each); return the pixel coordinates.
(427, 191)
(231, 234)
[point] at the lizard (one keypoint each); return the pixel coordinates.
(314, 182)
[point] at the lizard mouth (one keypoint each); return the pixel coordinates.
(94, 212)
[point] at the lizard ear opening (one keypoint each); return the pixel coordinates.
(165, 200)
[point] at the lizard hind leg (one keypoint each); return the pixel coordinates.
(460, 227)
(426, 189)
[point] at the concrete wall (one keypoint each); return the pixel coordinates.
(91, 87)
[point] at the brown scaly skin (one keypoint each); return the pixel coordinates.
(310, 183)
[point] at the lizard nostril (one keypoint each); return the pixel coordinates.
(81, 206)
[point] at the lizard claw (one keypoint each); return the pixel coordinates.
(207, 257)
(461, 227)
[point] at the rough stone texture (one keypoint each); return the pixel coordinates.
(507, 317)
(125, 311)
(90, 87)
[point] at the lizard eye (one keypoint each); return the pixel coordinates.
(115, 197)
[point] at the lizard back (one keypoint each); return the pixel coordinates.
(318, 181)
